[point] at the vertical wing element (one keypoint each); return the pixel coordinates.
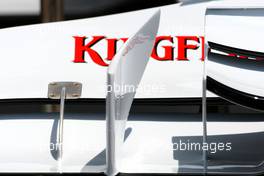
(123, 76)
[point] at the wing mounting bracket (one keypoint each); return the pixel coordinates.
(63, 91)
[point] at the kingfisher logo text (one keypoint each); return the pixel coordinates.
(101, 49)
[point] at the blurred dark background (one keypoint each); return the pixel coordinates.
(23, 12)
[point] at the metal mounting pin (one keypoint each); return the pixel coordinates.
(63, 91)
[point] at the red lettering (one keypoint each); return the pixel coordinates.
(111, 48)
(124, 39)
(168, 49)
(81, 48)
(183, 46)
(203, 48)
(235, 55)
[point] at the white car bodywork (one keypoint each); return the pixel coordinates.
(33, 56)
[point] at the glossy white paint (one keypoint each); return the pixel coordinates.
(33, 56)
(26, 143)
(26, 149)
(239, 28)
